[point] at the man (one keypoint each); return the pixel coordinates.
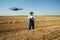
(31, 21)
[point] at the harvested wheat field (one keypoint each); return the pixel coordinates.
(14, 28)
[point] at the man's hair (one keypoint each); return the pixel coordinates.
(31, 12)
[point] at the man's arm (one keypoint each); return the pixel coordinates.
(28, 18)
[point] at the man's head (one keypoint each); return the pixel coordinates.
(31, 13)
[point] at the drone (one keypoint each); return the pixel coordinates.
(15, 9)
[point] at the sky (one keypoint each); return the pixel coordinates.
(39, 7)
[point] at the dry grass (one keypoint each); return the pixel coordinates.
(14, 28)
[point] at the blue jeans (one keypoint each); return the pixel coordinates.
(31, 25)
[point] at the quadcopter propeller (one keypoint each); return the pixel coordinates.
(15, 9)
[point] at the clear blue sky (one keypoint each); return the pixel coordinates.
(39, 7)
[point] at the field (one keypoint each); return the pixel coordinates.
(16, 28)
